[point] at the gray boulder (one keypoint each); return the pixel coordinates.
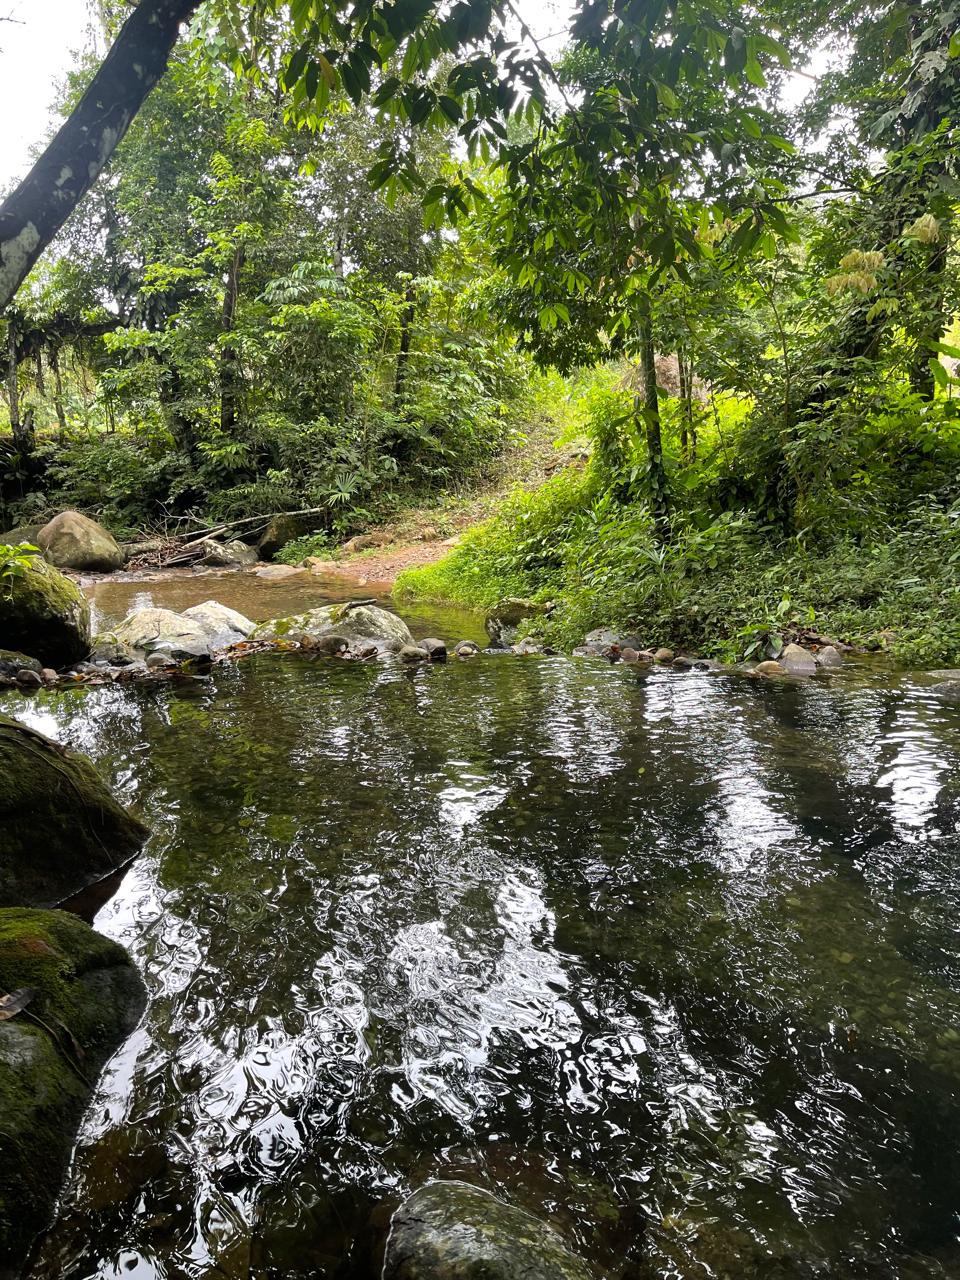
(228, 555)
(73, 541)
(45, 615)
(829, 657)
(453, 1231)
(61, 830)
(195, 633)
(353, 622)
(223, 626)
(504, 620)
(797, 661)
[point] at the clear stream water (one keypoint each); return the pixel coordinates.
(671, 960)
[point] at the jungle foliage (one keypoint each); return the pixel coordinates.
(368, 227)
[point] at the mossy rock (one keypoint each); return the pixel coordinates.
(454, 1231)
(22, 533)
(351, 621)
(12, 662)
(87, 998)
(282, 529)
(45, 615)
(60, 828)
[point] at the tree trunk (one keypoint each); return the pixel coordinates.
(651, 420)
(68, 168)
(406, 331)
(21, 436)
(933, 321)
(229, 360)
(58, 391)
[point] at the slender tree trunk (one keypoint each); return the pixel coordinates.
(934, 320)
(20, 431)
(651, 421)
(68, 168)
(38, 366)
(685, 417)
(406, 332)
(229, 360)
(58, 392)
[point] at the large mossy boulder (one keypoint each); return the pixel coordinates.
(73, 541)
(81, 998)
(282, 529)
(505, 619)
(453, 1231)
(44, 615)
(60, 828)
(351, 621)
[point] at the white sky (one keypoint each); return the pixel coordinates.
(37, 49)
(35, 52)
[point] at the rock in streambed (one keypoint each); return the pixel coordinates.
(454, 1231)
(70, 997)
(61, 830)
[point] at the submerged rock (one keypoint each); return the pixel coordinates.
(454, 1231)
(413, 653)
(948, 692)
(82, 997)
(45, 615)
(60, 828)
(503, 621)
(769, 668)
(73, 541)
(351, 621)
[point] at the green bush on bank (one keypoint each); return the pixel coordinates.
(874, 561)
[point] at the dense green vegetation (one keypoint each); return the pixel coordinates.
(368, 230)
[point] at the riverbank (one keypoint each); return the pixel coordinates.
(731, 588)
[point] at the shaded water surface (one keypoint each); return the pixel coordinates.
(671, 960)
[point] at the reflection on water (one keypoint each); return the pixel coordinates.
(671, 960)
(259, 598)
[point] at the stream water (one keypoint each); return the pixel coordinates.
(671, 960)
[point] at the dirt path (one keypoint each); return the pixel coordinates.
(383, 565)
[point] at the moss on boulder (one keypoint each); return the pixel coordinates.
(454, 1231)
(351, 621)
(45, 615)
(60, 828)
(86, 998)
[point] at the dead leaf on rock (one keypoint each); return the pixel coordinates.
(15, 1003)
